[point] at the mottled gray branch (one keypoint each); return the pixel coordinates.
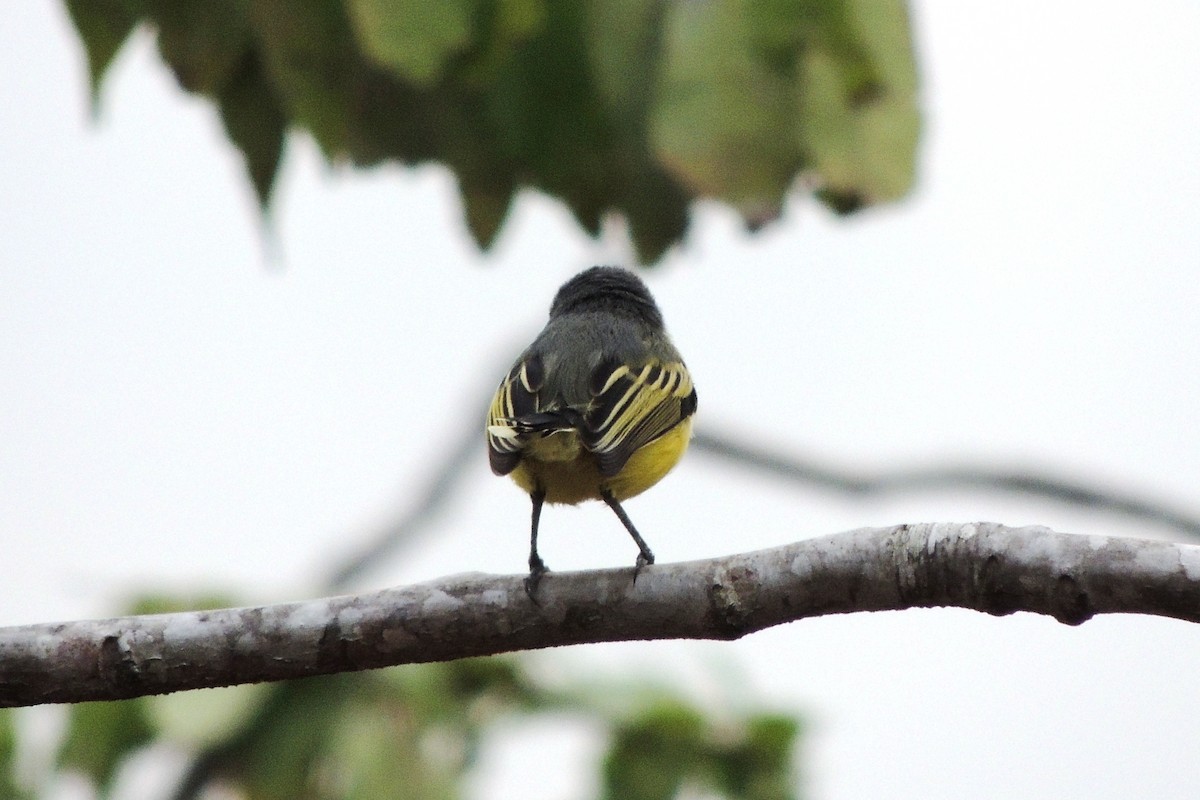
(981, 566)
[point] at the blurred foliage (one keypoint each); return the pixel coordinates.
(670, 745)
(414, 732)
(10, 788)
(629, 106)
(101, 736)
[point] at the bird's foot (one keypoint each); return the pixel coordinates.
(537, 568)
(644, 559)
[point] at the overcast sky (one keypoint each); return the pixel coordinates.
(180, 411)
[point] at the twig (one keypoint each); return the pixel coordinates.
(943, 478)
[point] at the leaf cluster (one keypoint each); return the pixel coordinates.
(634, 107)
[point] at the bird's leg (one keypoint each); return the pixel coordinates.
(645, 557)
(537, 567)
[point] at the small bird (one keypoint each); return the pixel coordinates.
(599, 407)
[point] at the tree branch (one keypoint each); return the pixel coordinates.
(983, 566)
(940, 478)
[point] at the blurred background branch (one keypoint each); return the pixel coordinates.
(945, 478)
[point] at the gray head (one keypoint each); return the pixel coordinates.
(611, 289)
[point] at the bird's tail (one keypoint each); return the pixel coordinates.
(538, 423)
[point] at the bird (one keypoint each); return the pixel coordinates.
(598, 407)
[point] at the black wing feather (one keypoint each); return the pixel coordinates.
(633, 407)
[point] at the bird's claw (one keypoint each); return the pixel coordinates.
(537, 568)
(644, 559)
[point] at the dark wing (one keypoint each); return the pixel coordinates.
(516, 399)
(633, 406)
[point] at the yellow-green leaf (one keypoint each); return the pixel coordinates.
(10, 789)
(414, 38)
(651, 755)
(624, 46)
(862, 144)
(101, 735)
(724, 123)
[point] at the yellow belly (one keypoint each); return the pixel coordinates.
(568, 473)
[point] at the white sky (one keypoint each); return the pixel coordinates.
(176, 413)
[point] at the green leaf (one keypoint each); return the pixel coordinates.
(503, 27)
(101, 735)
(8, 741)
(382, 751)
(103, 25)
(414, 38)
(485, 210)
(758, 765)
(203, 718)
(861, 120)
(516, 21)
(441, 692)
(9, 788)
(725, 123)
(624, 45)
(203, 41)
(501, 680)
(280, 757)
(487, 189)
(549, 126)
(485, 207)
(669, 745)
(311, 58)
(624, 41)
(656, 207)
(651, 755)
(255, 123)
(160, 603)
